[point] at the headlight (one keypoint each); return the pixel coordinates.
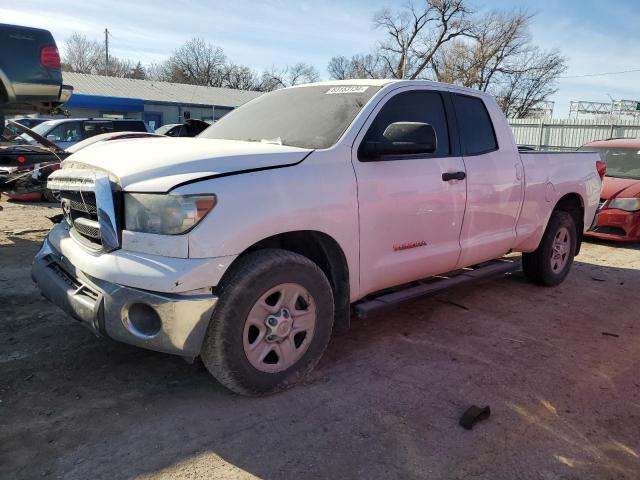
(628, 204)
(165, 214)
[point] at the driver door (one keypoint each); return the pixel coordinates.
(410, 216)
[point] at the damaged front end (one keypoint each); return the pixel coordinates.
(25, 167)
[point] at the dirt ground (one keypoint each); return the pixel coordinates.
(559, 367)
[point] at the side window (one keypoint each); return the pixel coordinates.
(475, 124)
(96, 128)
(66, 132)
(417, 106)
(125, 126)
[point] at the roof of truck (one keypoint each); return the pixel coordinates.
(381, 82)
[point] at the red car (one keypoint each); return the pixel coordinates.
(619, 214)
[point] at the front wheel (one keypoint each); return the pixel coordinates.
(272, 323)
(550, 263)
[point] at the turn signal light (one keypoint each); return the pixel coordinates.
(601, 167)
(49, 57)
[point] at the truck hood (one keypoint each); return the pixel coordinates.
(158, 164)
(620, 187)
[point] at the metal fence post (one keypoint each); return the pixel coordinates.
(540, 134)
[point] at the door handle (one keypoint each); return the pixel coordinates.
(448, 176)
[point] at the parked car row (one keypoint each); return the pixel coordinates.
(30, 157)
(190, 128)
(69, 131)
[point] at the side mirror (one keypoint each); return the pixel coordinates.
(52, 138)
(401, 138)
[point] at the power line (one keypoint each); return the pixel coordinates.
(601, 74)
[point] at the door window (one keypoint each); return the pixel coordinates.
(416, 106)
(66, 132)
(475, 125)
(96, 128)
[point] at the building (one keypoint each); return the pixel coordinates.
(157, 103)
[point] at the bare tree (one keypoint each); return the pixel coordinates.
(287, 77)
(358, 66)
(82, 55)
(442, 40)
(414, 35)
(122, 68)
(530, 82)
(196, 62)
(499, 57)
(241, 77)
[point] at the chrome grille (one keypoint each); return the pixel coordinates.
(84, 207)
(88, 228)
(90, 202)
(81, 213)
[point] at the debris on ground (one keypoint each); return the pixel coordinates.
(609, 334)
(24, 231)
(473, 415)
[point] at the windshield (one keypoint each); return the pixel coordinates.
(621, 162)
(307, 117)
(40, 129)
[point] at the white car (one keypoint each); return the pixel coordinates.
(248, 245)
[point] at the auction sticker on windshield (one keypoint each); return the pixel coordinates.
(349, 89)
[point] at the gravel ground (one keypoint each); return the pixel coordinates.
(559, 367)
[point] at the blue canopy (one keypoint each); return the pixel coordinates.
(99, 102)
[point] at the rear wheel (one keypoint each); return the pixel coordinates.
(550, 263)
(272, 323)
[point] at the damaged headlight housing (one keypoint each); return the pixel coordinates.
(165, 214)
(628, 204)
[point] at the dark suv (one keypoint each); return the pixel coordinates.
(30, 74)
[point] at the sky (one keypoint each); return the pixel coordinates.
(596, 36)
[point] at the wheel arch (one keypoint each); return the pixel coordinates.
(324, 251)
(573, 204)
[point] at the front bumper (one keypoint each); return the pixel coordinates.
(165, 322)
(616, 225)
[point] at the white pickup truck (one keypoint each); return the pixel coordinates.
(248, 245)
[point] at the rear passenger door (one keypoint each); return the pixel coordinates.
(410, 217)
(494, 181)
(96, 127)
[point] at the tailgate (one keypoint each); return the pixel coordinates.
(20, 49)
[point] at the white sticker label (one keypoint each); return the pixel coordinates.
(347, 89)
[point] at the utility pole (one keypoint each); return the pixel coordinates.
(106, 51)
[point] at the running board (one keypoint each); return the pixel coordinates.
(383, 301)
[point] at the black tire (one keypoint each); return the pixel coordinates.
(251, 277)
(537, 265)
